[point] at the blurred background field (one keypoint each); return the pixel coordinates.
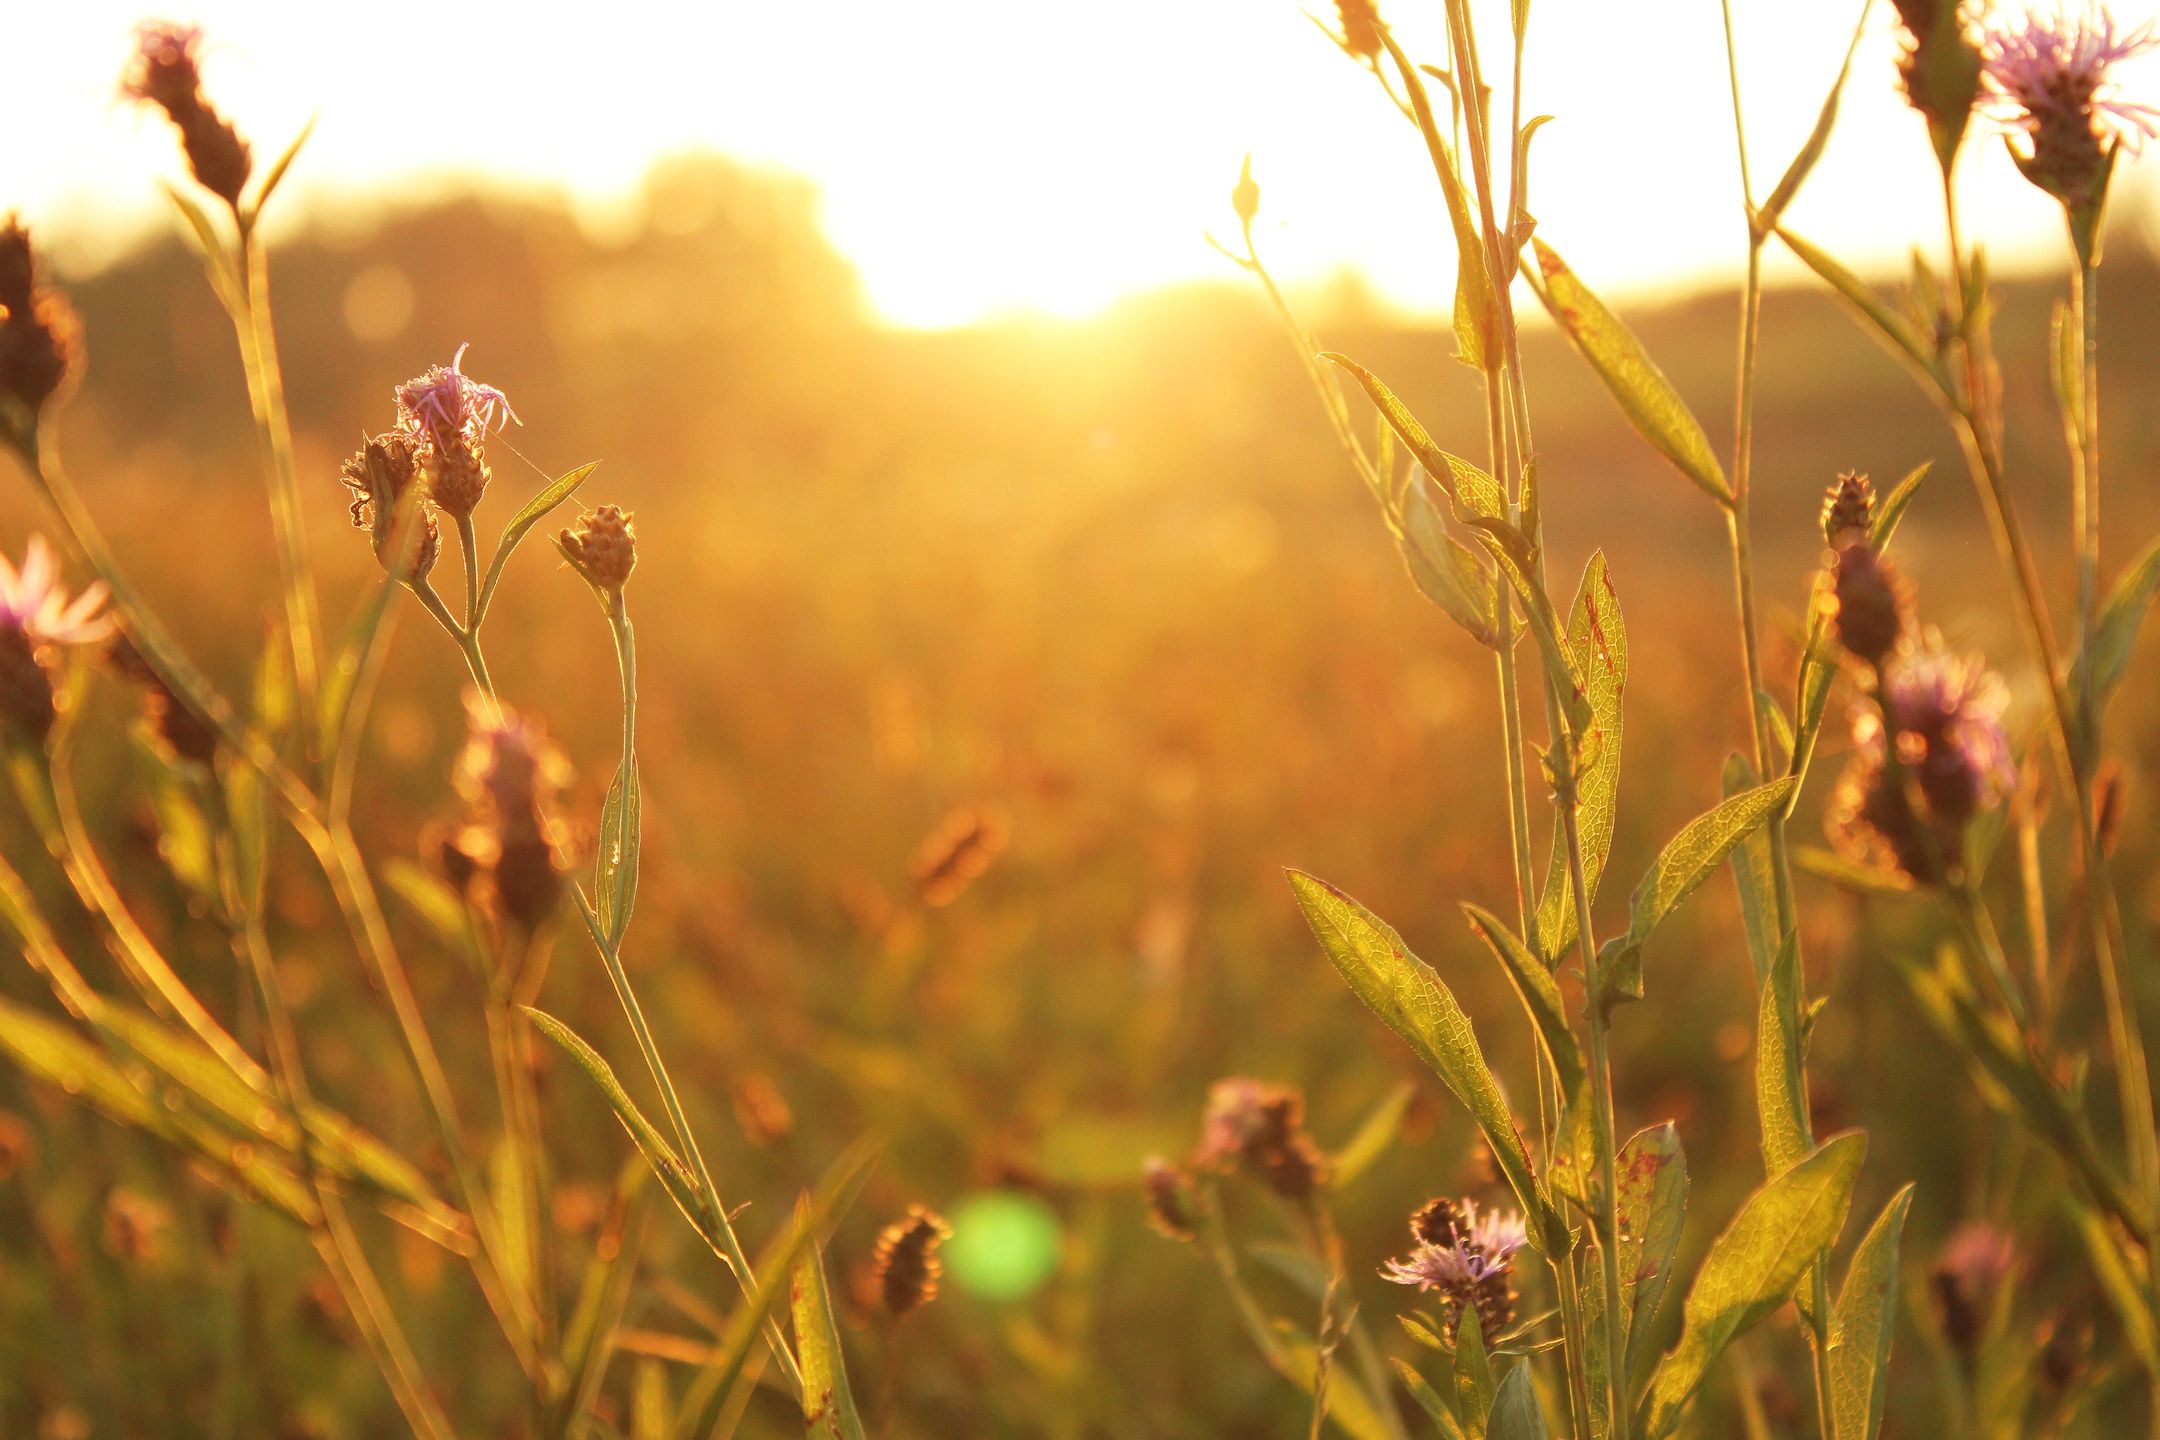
(1104, 588)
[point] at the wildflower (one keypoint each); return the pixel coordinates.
(1867, 601)
(906, 1264)
(379, 475)
(37, 622)
(165, 73)
(1360, 27)
(38, 330)
(511, 777)
(1170, 1204)
(1848, 505)
(955, 855)
(177, 728)
(1947, 713)
(1940, 68)
(2049, 86)
(1467, 1257)
(602, 546)
(446, 414)
(1973, 1264)
(1262, 1127)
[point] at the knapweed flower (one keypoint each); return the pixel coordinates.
(164, 72)
(379, 475)
(1962, 1282)
(906, 1264)
(37, 622)
(1262, 1127)
(1170, 1204)
(602, 546)
(511, 777)
(447, 415)
(38, 331)
(2049, 85)
(1467, 1257)
(1848, 505)
(1946, 711)
(1940, 68)
(1867, 599)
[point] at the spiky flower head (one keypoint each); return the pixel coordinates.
(447, 415)
(1467, 1257)
(1262, 1127)
(39, 335)
(602, 547)
(379, 476)
(906, 1263)
(1940, 68)
(1849, 504)
(33, 601)
(512, 777)
(165, 72)
(1867, 599)
(2050, 86)
(1946, 712)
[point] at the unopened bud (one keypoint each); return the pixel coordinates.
(1848, 505)
(1867, 600)
(602, 546)
(906, 1263)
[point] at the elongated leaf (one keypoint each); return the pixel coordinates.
(1752, 876)
(1778, 1102)
(1540, 995)
(1653, 1205)
(275, 176)
(2115, 631)
(1862, 1323)
(621, 838)
(1372, 1138)
(1350, 1409)
(604, 1292)
(2120, 1280)
(1752, 1268)
(1891, 508)
(1646, 397)
(208, 245)
(1428, 1399)
(531, 513)
(1598, 636)
(1415, 438)
(1789, 183)
(1477, 312)
(432, 899)
(828, 1403)
(1687, 860)
(674, 1175)
(1445, 571)
(1516, 1414)
(1403, 991)
(1473, 1372)
(1896, 332)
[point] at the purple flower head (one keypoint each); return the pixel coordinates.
(1948, 710)
(1481, 1249)
(450, 409)
(2051, 68)
(33, 604)
(164, 71)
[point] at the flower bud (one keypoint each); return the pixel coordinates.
(39, 334)
(379, 476)
(602, 546)
(164, 73)
(1867, 600)
(1940, 69)
(1848, 505)
(906, 1264)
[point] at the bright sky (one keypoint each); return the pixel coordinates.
(980, 157)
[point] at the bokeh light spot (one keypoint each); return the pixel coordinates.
(1004, 1245)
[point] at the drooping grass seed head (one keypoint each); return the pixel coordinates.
(165, 72)
(1172, 1207)
(2051, 87)
(1467, 1257)
(1867, 599)
(602, 547)
(906, 1263)
(1940, 68)
(38, 624)
(1963, 1281)
(379, 476)
(40, 338)
(1848, 505)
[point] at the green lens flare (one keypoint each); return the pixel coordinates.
(1004, 1245)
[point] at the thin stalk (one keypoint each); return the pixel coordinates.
(610, 948)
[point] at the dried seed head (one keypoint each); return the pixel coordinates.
(1261, 1127)
(1848, 505)
(906, 1263)
(1466, 1256)
(379, 476)
(602, 546)
(39, 334)
(1867, 600)
(165, 73)
(2051, 89)
(955, 855)
(1962, 1283)
(1172, 1208)
(1940, 68)
(1360, 27)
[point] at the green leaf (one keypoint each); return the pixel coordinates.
(1778, 1102)
(1350, 1409)
(1428, 1399)
(1752, 876)
(674, 1175)
(1473, 1372)
(1752, 1268)
(1645, 396)
(430, 897)
(1788, 184)
(1598, 637)
(1415, 438)
(1862, 1323)
(621, 838)
(1516, 1414)
(1687, 860)
(1403, 991)
(276, 174)
(1477, 308)
(208, 245)
(1891, 508)
(2115, 630)
(1897, 333)
(1380, 1130)
(1653, 1204)
(604, 1292)
(532, 513)
(1540, 995)
(2066, 371)
(828, 1403)
(1445, 570)
(341, 681)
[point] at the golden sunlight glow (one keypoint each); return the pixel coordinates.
(979, 157)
